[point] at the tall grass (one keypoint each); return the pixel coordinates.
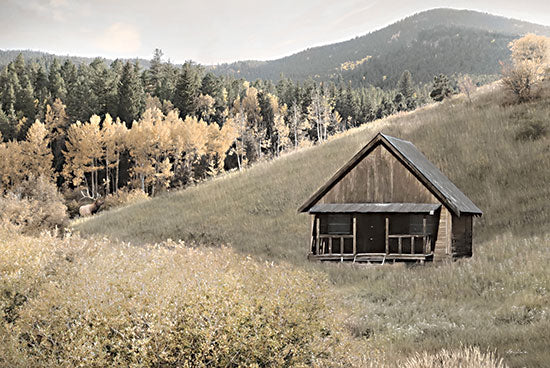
(498, 300)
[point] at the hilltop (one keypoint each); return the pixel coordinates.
(436, 41)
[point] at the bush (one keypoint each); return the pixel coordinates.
(34, 206)
(124, 197)
(110, 304)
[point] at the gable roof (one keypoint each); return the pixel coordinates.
(417, 163)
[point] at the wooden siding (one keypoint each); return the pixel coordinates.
(462, 236)
(379, 178)
(442, 249)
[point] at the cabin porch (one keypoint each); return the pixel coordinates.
(368, 235)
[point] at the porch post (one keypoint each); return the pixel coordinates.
(424, 237)
(354, 235)
(312, 235)
(387, 233)
(317, 240)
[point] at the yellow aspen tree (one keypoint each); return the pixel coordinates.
(162, 148)
(240, 125)
(12, 169)
(57, 122)
(205, 107)
(195, 136)
(38, 157)
(113, 136)
(280, 127)
(139, 140)
(84, 154)
(174, 125)
(530, 65)
(76, 159)
(95, 150)
(298, 125)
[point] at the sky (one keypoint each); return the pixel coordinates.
(215, 31)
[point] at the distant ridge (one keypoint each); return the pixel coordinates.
(7, 56)
(428, 43)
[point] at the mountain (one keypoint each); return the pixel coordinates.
(436, 41)
(431, 42)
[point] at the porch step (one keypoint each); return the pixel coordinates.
(371, 257)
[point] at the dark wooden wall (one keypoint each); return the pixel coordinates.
(462, 236)
(379, 178)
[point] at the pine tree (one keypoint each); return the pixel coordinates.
(153, 77)
(441, 88)
(187, 90)
(56, 83)
(131, 99)
(405, 87)
(25, 103)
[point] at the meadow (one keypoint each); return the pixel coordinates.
(497, 153)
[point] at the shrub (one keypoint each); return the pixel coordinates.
(124, 197)
(34, 206)
(165, 306)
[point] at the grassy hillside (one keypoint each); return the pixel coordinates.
(476, 145)
(499, 155)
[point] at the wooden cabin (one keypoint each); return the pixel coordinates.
(389, 203)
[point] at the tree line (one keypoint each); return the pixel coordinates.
(108, 126)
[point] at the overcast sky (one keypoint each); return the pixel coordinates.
(215, 31)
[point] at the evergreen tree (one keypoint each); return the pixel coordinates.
(131, 99)
(441, 88)
(56, 83)
(187, 90)
(153, 77)
(25, 104)
(7, 129)
(81, 99)
(405, 87)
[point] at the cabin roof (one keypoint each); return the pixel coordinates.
(417, 163)
(374, 208)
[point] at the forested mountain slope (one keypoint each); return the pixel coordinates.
(435, 41)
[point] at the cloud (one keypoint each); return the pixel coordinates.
(120, 38)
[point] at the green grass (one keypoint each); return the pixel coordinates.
(497, 300)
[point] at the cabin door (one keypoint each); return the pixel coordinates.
(370, 233)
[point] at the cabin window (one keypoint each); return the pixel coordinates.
(338, 224)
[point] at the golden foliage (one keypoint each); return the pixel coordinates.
(33, 206)
(350, 65)
(89, 303)
(530, 66)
